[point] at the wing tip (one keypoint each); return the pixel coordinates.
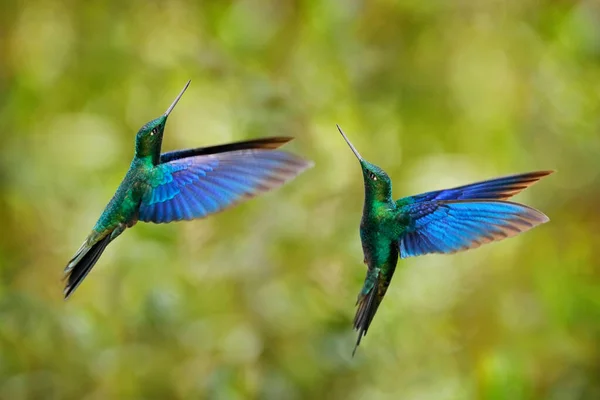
(306, 164)
(540, 217)
(530, 212)
(274, 142)
(542, 173)
(294, 165)
(535, 176)
(526, 180)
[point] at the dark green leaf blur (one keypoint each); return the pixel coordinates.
(257, 302)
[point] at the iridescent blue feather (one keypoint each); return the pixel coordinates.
(456, 225)
(194, 187)
(496, 189)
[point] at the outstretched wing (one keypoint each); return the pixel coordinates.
(269, 143)
(456, 225)
(494, 189)
(194, 187)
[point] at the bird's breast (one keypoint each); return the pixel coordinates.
(378, 234)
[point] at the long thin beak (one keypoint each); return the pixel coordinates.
(172, 106)
(356, 153)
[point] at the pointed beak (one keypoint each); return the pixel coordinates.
(356, 153)
(172, 106)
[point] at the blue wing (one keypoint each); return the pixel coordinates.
(451, 226)
(194, 187)
(497, 189)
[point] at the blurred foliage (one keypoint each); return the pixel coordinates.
(257, 302)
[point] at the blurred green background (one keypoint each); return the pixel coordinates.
(257, 302)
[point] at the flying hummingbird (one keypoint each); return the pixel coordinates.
(444, 221)
(183, 185)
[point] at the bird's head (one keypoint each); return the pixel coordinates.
(378, 184)
(148, 140)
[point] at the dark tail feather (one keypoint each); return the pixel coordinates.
(77, 273)
(367, 307)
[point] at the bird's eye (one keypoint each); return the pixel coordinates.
(154, 132)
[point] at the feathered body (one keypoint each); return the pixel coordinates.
(183, 185)
(444, 221)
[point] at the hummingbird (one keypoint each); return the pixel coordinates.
(183, 185)
(443, 221)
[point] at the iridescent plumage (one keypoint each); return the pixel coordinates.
(183, 185)
(443, 221)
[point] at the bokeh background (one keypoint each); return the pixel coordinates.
(257, 302)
